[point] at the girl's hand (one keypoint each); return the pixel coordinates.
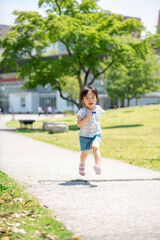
(82, 121)
(88, 114)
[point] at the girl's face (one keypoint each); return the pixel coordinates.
(89, 100)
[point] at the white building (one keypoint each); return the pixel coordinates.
(148, 98)
(15, 100)
(23, 102)
(28, 102)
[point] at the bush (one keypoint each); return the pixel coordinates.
(70, 112)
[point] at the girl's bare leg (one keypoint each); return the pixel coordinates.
(83, 157)
(96, 152)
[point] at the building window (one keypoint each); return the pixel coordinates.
(69, 104)
(23, 102)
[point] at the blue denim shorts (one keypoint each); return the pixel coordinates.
(86, 142)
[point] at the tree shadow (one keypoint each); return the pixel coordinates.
(78, 182)
(73, 128)
(28, 130)
(7, 130)
(124, 126)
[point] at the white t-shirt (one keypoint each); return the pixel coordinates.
(92, 126)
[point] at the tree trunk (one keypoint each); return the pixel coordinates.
(119, 103)
(137, 101)
(128, 102)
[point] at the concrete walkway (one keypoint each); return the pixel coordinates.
(121, 204)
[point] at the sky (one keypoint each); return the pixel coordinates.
(147, 10)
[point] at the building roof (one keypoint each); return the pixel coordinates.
(159, 18)
(4, 29)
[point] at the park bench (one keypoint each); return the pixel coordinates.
(26, 123)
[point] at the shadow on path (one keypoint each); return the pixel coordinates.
(8, 130)
(28, 130)
(78, 182)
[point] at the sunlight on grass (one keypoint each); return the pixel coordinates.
(22, 216)
(128, 134)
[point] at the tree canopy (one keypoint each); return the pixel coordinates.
(134, 78)
(94, 38)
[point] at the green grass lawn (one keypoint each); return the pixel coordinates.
(22, 217)
(131, 135)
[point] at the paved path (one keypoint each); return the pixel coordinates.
(121, 204)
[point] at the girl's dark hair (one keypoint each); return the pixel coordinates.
(87, 89)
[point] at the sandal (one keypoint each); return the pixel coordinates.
(97, 169)
(82, 170)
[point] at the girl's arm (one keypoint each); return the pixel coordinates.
(82, 121)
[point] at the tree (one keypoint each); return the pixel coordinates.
(94, 39)
(134, 78)
(70, 87)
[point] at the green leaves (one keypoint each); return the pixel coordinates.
(134, 78)
(65, 7)
(87, 6)
(94, 40)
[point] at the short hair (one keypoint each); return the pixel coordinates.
(87, 89)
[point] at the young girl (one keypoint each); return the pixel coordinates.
(90, 130)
